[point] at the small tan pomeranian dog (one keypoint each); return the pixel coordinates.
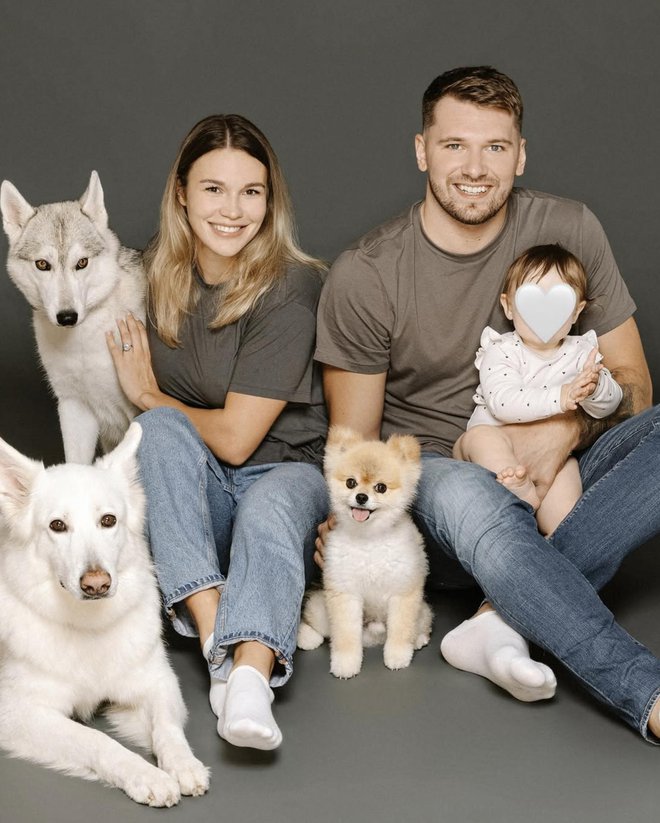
(374, 561)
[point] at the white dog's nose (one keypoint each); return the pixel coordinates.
(95, 583)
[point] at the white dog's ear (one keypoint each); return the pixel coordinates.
(123, 458)
(17, 476)
(406, 446)
(340, 438)
(92, 203)
(16, 210)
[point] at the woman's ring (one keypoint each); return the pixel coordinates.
(126, 346)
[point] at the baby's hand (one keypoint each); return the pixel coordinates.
(583, 386)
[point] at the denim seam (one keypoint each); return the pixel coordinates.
(202, 490)
(292, 630)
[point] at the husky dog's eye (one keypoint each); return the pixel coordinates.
(381, 488)
(42, 265)
(351, 483)
(57, 526)
(108, 521)
(82, 263)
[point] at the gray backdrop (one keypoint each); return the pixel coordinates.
(114, 86)
(336, 86)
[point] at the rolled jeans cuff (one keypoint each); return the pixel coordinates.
(220, 662)
(181, 620)
(644, 725)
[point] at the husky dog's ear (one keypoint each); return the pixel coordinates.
(92, 203)
(17, 476)
(16, 210)
(123, 457)
(406, 446)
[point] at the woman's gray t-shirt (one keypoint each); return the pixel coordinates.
(267, 353)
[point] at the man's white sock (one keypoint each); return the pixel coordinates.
(487, 646)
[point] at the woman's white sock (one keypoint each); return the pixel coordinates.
(248, 720)
(218, 687)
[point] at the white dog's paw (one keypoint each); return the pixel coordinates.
(373, 634)
(192, 776)
(308, 638)
(152, 786)
(346, 664)
(397, 656)
(422, 640)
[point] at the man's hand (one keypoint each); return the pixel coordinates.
(323, 530)
(544, 446)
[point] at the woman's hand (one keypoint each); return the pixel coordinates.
(323, 530)
(132, 361)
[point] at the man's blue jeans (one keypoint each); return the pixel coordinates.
(547, 588)
(247, 531)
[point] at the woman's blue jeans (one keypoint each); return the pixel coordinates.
(247, 531)
(547, 589)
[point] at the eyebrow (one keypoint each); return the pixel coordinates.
(462, 139)
(222, 183)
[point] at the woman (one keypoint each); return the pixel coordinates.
(234, 420)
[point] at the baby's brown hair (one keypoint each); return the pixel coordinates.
(537, 261)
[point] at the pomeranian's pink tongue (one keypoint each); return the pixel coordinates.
(360, 514)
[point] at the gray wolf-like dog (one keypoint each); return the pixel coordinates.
(81, 625)
(79, 280)
(374, 562)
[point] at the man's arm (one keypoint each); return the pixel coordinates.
(623, 355)
(355, 400)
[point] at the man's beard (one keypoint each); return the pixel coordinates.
(470, 214)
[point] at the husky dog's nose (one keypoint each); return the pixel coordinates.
(68, 317)
(361, 499)
(95, 583)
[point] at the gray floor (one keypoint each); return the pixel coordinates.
(425, 744)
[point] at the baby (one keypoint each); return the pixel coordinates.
(524, 378)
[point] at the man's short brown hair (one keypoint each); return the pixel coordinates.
(481, 85)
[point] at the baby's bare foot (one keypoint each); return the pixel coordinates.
(516, 479)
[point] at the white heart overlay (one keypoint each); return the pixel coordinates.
(545, 312)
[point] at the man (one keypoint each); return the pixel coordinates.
(399, 324)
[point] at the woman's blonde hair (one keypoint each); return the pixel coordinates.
(171, 256)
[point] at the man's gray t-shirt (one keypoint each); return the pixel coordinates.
(397, 303)
(266, 353)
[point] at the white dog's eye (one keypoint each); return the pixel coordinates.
(42, 265)
(381, 488)
(108, 521)
(351, 483)
(57, 526)
(82, 263)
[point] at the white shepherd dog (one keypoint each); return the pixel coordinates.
(81, 625)
(79, 280)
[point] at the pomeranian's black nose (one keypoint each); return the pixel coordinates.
(361, 499)
(68, 317)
